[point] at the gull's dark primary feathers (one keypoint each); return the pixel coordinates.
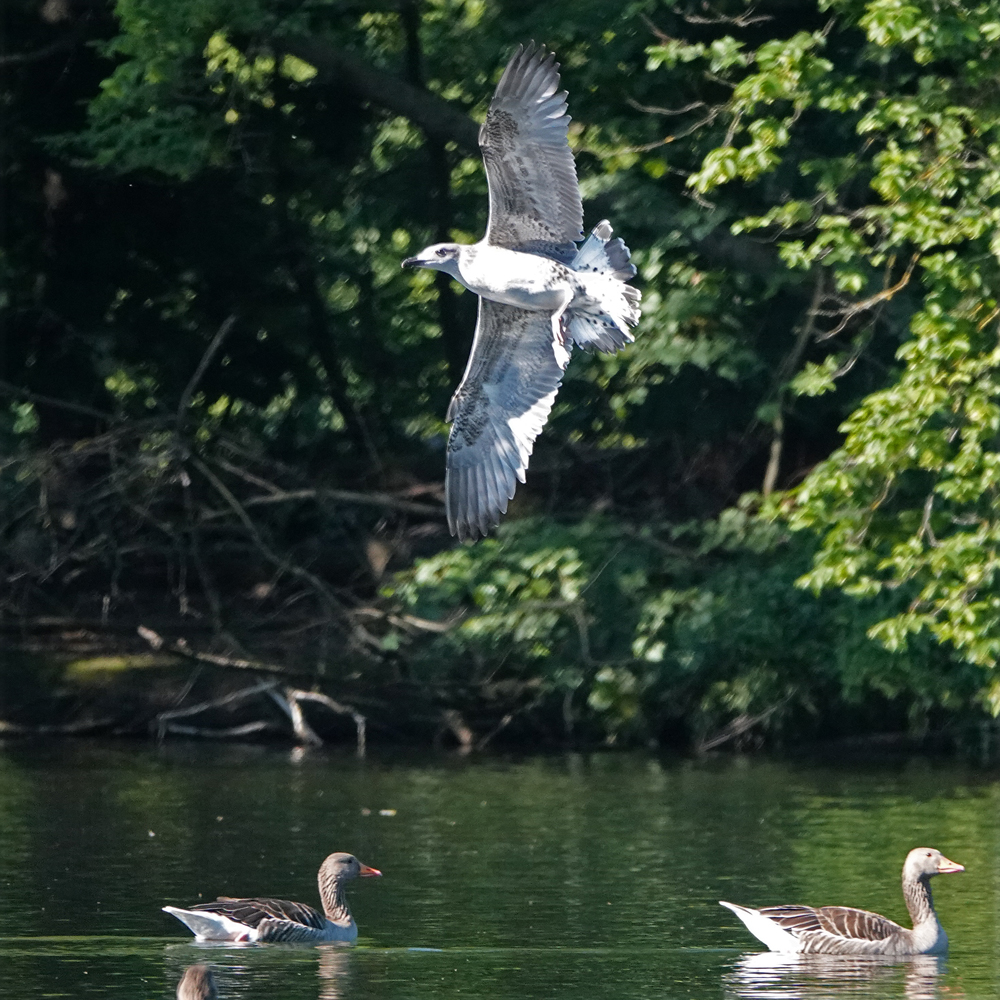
(534, 195)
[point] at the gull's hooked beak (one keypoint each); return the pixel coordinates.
(412, 262)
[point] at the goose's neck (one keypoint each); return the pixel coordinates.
(331, 892)
(919, 901)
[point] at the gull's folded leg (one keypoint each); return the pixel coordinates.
(560, 322)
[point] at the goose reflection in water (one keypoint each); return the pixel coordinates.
(332, 972)
(772, 975)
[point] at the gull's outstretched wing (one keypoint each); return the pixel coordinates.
(534, 195)
(506, 394)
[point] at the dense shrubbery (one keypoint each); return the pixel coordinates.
(690, 631)
(224, 399)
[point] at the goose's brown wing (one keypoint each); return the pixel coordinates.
(252, 911)
(534, 195)
(840, 921)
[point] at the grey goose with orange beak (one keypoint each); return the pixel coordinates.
(840, 930)
(278, 920)
(539, 293)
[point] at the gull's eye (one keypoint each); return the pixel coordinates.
(442, 252)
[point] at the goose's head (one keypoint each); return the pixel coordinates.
(197, 983)
(342, 867)
(925, 862)
(439, 257)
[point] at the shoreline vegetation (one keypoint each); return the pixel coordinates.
(773, 521)
(56, 683)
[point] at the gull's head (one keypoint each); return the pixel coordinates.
(439, 256)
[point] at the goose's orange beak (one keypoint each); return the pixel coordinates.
(946, 867)
(365, 870)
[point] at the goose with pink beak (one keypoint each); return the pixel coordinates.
(840, 930)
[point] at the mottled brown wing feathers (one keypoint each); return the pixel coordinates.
(252, 911)
(842, 921)
(534, 194)
(848, 922)
(510, 383)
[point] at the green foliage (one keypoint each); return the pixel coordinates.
(907, 205)
(812, 201)
(644, 630)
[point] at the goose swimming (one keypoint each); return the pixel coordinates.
(840, 930)
(197, 983)
(257, 919)
(539, 293)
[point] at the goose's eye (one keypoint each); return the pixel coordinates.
(929, 854)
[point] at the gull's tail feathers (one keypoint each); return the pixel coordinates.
(604, 320)
(604, 255)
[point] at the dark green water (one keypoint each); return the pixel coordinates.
(559, 877)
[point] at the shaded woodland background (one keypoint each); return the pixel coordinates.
(773, 518)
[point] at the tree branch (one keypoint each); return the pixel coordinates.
(206, 360)
(437, 117)
(382, 500)
(20, 58)
(9, 389)
(181, 648)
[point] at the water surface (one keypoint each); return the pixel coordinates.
(558, 877)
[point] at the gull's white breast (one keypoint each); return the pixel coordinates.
(517, 279)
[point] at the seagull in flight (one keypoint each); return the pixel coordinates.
(539, 293)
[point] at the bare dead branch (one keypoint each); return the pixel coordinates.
(164, 719)
(363, 639)
(849, 312)
(383, 500)
(740, 725)
(294, 696)
(452, 721)
(9, 389)
(232, 732)
(661, 36)
(412, 622)
(21, 58)
(739, 21)
(788, 367)
(925, 524)
(181, 648)
(291, 707)
(651, 109)
(67, 729)
(206, 360)
(495, 731)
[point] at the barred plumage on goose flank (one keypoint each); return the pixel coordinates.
(841, 930)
